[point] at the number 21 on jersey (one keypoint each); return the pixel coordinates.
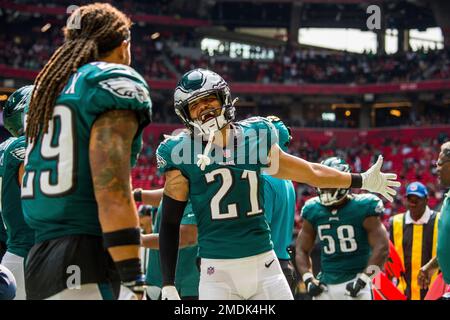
(227, 183)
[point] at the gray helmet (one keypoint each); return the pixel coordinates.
(329, 197)
(197, 84)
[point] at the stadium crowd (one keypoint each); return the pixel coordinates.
(317, 66)
(32, 49)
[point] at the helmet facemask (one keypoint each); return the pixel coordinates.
(223, 114)
(329, 197)
(199, 84)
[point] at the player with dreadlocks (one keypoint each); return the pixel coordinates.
(84, 131)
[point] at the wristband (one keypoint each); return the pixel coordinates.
(137, 195)
(356, 181)
(365, 277)
(129, 270)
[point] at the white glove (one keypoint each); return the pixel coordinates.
(169, 293)
(374, 180)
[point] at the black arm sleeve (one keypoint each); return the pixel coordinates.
(169, 237)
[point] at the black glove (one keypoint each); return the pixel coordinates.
(353, 288)
(313, 286)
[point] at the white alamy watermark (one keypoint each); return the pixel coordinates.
(373, 22)
(74, 279)
(74, 20)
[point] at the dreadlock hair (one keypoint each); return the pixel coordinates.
(102, 28)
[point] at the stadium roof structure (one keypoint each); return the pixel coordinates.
(400, 14)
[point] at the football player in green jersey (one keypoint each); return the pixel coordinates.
(354, 243)
(217, 165)
(12, 153)
(279, 207)
(442, 259)
(84, 132)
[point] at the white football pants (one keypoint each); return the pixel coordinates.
(257, 277)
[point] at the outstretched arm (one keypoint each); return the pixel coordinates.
(314, 174)
(320, 176)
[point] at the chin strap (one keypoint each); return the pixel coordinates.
(203, 159)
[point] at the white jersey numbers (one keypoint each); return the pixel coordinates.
(58, 148)
(227, 183)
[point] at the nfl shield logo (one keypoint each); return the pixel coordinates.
(210, 271)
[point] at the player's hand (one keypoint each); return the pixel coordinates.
(313, 286)
(374, 180)
(425, 274)
(353, 288)
(169, 293)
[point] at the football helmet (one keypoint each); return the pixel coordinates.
(329, 197)
(197, 84)
(15, 108)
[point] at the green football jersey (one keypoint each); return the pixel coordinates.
(187, 276)
(228, 196)
(57, 192)
(345, 249)
(20, 237)
(279, 204)
(443, 242)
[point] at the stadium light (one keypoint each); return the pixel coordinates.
(328, 116)
(395, 113)
(335, 106)
(398, 104)
(46, 27)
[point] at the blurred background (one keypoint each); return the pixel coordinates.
(345, 89)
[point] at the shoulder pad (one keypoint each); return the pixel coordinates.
(311, 202)
(5, 144)
(97, 71)
(372, 202)
(17, 148)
